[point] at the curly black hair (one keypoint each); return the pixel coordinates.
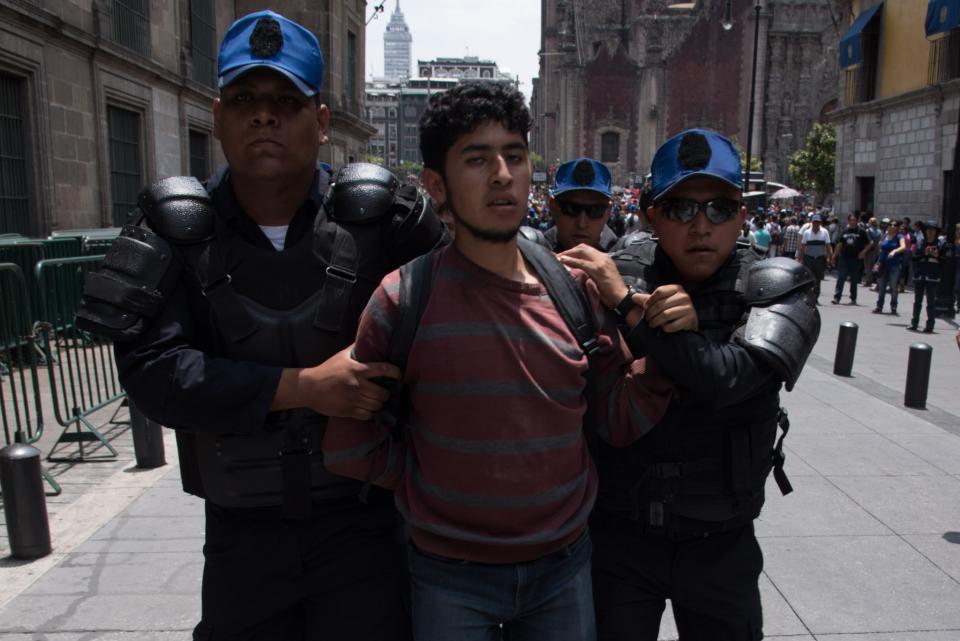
(461, 109)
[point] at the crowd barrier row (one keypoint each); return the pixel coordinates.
(41, 281)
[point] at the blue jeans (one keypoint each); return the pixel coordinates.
(889, 275)
(847, 267)
(549, 598)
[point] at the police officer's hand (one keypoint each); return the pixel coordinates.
(600, 268)
(340, 386)
(670, 308)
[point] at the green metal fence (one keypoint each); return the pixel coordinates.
(21, 410)
(80, 365)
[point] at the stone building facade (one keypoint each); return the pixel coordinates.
(897, 124)
(617, 77)
(99, 97)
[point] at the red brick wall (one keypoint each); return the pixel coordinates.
(703, 76)
(612, 88)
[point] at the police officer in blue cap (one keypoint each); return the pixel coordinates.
(580, 206)
(232, 305)
(674, 515)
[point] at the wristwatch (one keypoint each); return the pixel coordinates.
(626, 305)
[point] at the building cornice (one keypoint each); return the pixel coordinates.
(346, 121)
(938, 92)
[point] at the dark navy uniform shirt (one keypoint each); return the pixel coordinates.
(172, 372)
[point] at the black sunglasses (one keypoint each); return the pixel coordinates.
(593, 212)
(683, 210)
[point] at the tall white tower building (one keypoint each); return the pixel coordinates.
(396, 47)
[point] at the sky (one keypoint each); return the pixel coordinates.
(505, 31)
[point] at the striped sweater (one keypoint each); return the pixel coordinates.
(493, 466)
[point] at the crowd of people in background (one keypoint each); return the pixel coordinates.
(886, 255)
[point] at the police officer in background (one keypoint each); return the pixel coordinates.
(232, 306)
(674, 517)
(927, 272)
(580, 206)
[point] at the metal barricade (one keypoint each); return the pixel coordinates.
(62, 247)
(80, 365)
(25, 253)
(93, 241)
(21, 411)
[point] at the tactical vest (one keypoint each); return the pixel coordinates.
(701, 469)
(281, 466)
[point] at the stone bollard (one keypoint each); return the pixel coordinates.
(846, 346)
(918, 376)
(24, 504)
(147, 439)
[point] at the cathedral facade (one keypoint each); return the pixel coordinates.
(618, 77)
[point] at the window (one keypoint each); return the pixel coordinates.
(199, 155)
(944, 62)
(14, 201)
(610, 147)
(130, 24)
(350, 75)
(861, 80)
(203, 41)
(123, 138)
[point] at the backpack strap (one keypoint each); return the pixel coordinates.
(576, 311)
(564, 292)
(416, 278)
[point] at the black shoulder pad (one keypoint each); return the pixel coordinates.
(635, 263)
(535, 236)
(136, 277)
(179, 209)
(774, 278)
(360, 193)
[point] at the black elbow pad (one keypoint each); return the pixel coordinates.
(783, 323)
(137, 275)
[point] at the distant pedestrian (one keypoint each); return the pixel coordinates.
(873, 250)
(889, 262)
(909, 238)
(762, 240)
(851, 246)
(927, 271)
(816, 251)
(956, 265)
(790, 239)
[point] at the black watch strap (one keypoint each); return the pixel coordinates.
(625, 305)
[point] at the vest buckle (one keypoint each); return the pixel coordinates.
(340, 273)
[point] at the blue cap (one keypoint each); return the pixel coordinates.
(267, 39)
(816, 218)
(695, 152)
(582, 173)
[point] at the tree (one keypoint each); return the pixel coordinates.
(812, 168)
(410, 168)
(374, 159)
(536, 160)
(756, 166)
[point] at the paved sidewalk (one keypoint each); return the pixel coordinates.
(867, 548)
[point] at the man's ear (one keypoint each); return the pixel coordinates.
(323, 120)
(434, 184)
